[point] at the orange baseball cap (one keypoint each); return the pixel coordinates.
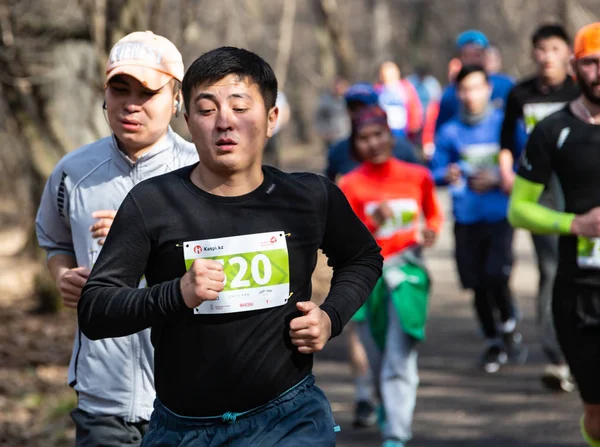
(587, 41)
(151, 59)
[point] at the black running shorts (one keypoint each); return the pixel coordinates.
(576, 309)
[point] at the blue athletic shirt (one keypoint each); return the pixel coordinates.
(472, 147)
(449, 105)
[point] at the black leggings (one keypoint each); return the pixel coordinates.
(484, 260)
(488, 300)
(576, 309)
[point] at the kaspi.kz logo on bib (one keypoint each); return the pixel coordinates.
(198, 249)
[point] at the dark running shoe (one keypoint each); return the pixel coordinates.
(364, 415)
(494, 358)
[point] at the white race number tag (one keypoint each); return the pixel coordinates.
(533, 113)
(397, 116)
(588, 253)
(256, 267)
(403, 218)
(481, 156)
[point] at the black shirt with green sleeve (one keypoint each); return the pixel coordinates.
(240, 356)
(569, 147)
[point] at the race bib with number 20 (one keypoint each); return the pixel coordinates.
(256, 267)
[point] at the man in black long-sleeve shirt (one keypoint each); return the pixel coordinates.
(228, 248)
(528, 103)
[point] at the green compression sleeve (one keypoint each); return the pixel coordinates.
(525, 212)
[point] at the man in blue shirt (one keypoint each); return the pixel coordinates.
(466, 159)
(472, 46)
(339, 159)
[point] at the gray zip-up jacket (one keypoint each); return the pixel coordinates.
(112, 376)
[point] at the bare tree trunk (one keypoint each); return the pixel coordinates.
(255, 11)
(382, 31)
(157, 16)
(132, 15)
(98, 27)
(418, 32)
(578, 14)
(326, 56)
(327, 12)
(236, 34)
(286, 34)
(473, 11)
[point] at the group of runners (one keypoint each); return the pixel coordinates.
(190, 263)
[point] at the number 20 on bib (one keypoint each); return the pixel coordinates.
(256, 267)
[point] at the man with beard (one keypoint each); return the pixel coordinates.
(565, 143)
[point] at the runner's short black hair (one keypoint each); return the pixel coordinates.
(550, 30)
(224, 61)
(466, 70)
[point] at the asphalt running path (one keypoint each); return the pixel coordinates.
(458, 406)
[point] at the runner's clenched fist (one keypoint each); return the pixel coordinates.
(202, 282)
(311, 331)
(70, 282)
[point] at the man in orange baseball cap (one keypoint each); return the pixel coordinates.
(113, 378)
(587, 41)
(566, 143)
(586, 56)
